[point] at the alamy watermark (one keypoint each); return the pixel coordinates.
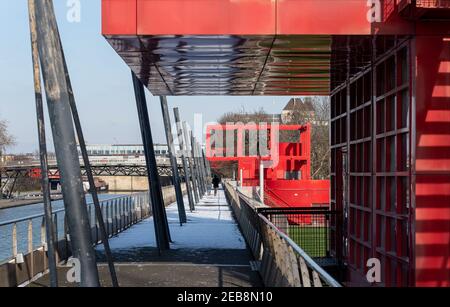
(74, 273)
(73, 11)
(374, 12)
(232, 139)
(373, 274)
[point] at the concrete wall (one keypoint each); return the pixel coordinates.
(170, 196)
(123, 183)
(131, 183)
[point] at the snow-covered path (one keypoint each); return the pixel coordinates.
(210, 226)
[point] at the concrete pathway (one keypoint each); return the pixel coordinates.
(208, 251)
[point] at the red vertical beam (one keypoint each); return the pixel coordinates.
(306, 144)
(432, 235)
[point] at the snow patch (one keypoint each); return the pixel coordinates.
(210, 226)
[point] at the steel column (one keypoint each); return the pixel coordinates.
(261, 181)
(64, 140)
(159, 212)
(191, 163)
(90, 176)
(45, 183)
(197, 165)
(173, 161)
(241, 177)
(202, 167)
(208, 172)
(187, 174)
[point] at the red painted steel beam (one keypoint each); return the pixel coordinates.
(212, 17)
(234, 17)
(119, 17)
(312, 17)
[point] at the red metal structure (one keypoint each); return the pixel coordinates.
(287, 178)
(389, 82)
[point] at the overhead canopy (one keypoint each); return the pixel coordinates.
(236, 47)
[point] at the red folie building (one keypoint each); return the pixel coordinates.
(287, 175)
(389, 82)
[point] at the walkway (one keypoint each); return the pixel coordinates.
(208, 251)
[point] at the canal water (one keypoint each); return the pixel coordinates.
(6, 231)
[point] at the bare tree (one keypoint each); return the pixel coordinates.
(6, 140)
(243, 116)
(320, 143)
(320, 147)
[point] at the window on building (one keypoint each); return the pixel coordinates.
(293, 175)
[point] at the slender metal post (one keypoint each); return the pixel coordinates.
(201, 166)
(187, 174)
(64, 140)
(197, 168)
(159, 212)
(45, 183)
(209, 166)
(200, 169)
(173, 161)
(202, 163)
(241, 177)
(191, 163)
(87, 166)
(261, 181)
(208, 173)
(198, 165)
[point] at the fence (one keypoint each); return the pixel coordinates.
(281, 261)
(28, 236)
(308, 227)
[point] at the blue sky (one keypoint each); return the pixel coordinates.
(101, 81)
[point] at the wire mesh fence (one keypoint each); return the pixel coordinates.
(308, 227)
(280, 260)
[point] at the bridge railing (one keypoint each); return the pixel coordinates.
(281, 262)
(24, 244)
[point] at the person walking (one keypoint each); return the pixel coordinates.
(215, 182)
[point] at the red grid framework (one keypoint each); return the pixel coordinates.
(370, 140)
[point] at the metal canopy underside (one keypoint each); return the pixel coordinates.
(246, 65)
(232, 47)
(229, 65)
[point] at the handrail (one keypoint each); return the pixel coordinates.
(255, 226)
(35, 216)
(308, 260)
